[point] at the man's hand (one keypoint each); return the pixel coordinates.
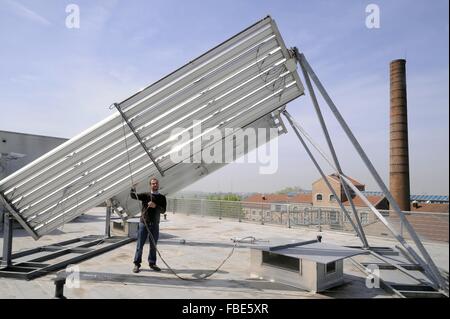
(151, 205)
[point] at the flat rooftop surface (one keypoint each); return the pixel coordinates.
(192, 246)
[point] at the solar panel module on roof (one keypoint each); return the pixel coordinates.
(237, 84)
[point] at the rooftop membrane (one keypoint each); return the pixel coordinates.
(193, 246)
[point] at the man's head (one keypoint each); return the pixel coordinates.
(154, 184)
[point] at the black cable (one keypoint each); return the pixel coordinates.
(168, 266)
(153, 239)
(128, 152)
(275, 70)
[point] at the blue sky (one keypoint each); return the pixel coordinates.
(58, 81)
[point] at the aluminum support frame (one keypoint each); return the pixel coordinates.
(109, 211)
(399, 237)
(366, 201)
(12, 210)
(313, 159)
(7, 240)
(36, 267)
(428, 265)
(136, 134)
(331, 147)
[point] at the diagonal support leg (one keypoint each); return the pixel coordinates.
(294, 126)
(331, 147)
(401, 240)
(429, 265)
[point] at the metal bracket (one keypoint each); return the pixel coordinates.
(10, 207)
(117, 106)
(277, 116)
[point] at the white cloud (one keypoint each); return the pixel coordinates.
(24, 12)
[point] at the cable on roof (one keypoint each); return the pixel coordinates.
(154, 243)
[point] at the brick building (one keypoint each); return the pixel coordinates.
(319, 207)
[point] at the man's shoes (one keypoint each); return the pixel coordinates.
(154, 267)
(136, 268)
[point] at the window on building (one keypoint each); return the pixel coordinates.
(331, 268)
(319, 197)
(332, 198)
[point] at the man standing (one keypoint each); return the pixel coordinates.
(153, 205)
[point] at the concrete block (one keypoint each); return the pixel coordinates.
(128, 228)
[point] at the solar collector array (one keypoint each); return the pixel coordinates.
(143, 176)
(235, 83)
(141, 158)
(135, 150)
(181, 175)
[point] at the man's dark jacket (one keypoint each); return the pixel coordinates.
(150, 215)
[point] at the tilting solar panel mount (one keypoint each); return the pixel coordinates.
(423, 259)
(244, 82)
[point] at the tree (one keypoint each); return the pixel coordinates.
(290, 189)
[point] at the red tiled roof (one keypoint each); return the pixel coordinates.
(354, 181)
(301, 198)
(269, 198)
(374, 200)
(279, 198)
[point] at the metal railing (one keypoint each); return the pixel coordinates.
(429, 226)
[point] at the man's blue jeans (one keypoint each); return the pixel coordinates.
(142, 238)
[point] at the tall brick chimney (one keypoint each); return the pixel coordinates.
(399, 155)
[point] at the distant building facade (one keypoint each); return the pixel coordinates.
(20, 149)
(319, 207)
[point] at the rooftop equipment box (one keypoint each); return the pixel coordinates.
(311, 265)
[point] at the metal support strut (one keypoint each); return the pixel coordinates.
(428, 264)
(7, 240)
(117, 106)
(322, 174)
(14, 213)
(331, 147)
(109, 211)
